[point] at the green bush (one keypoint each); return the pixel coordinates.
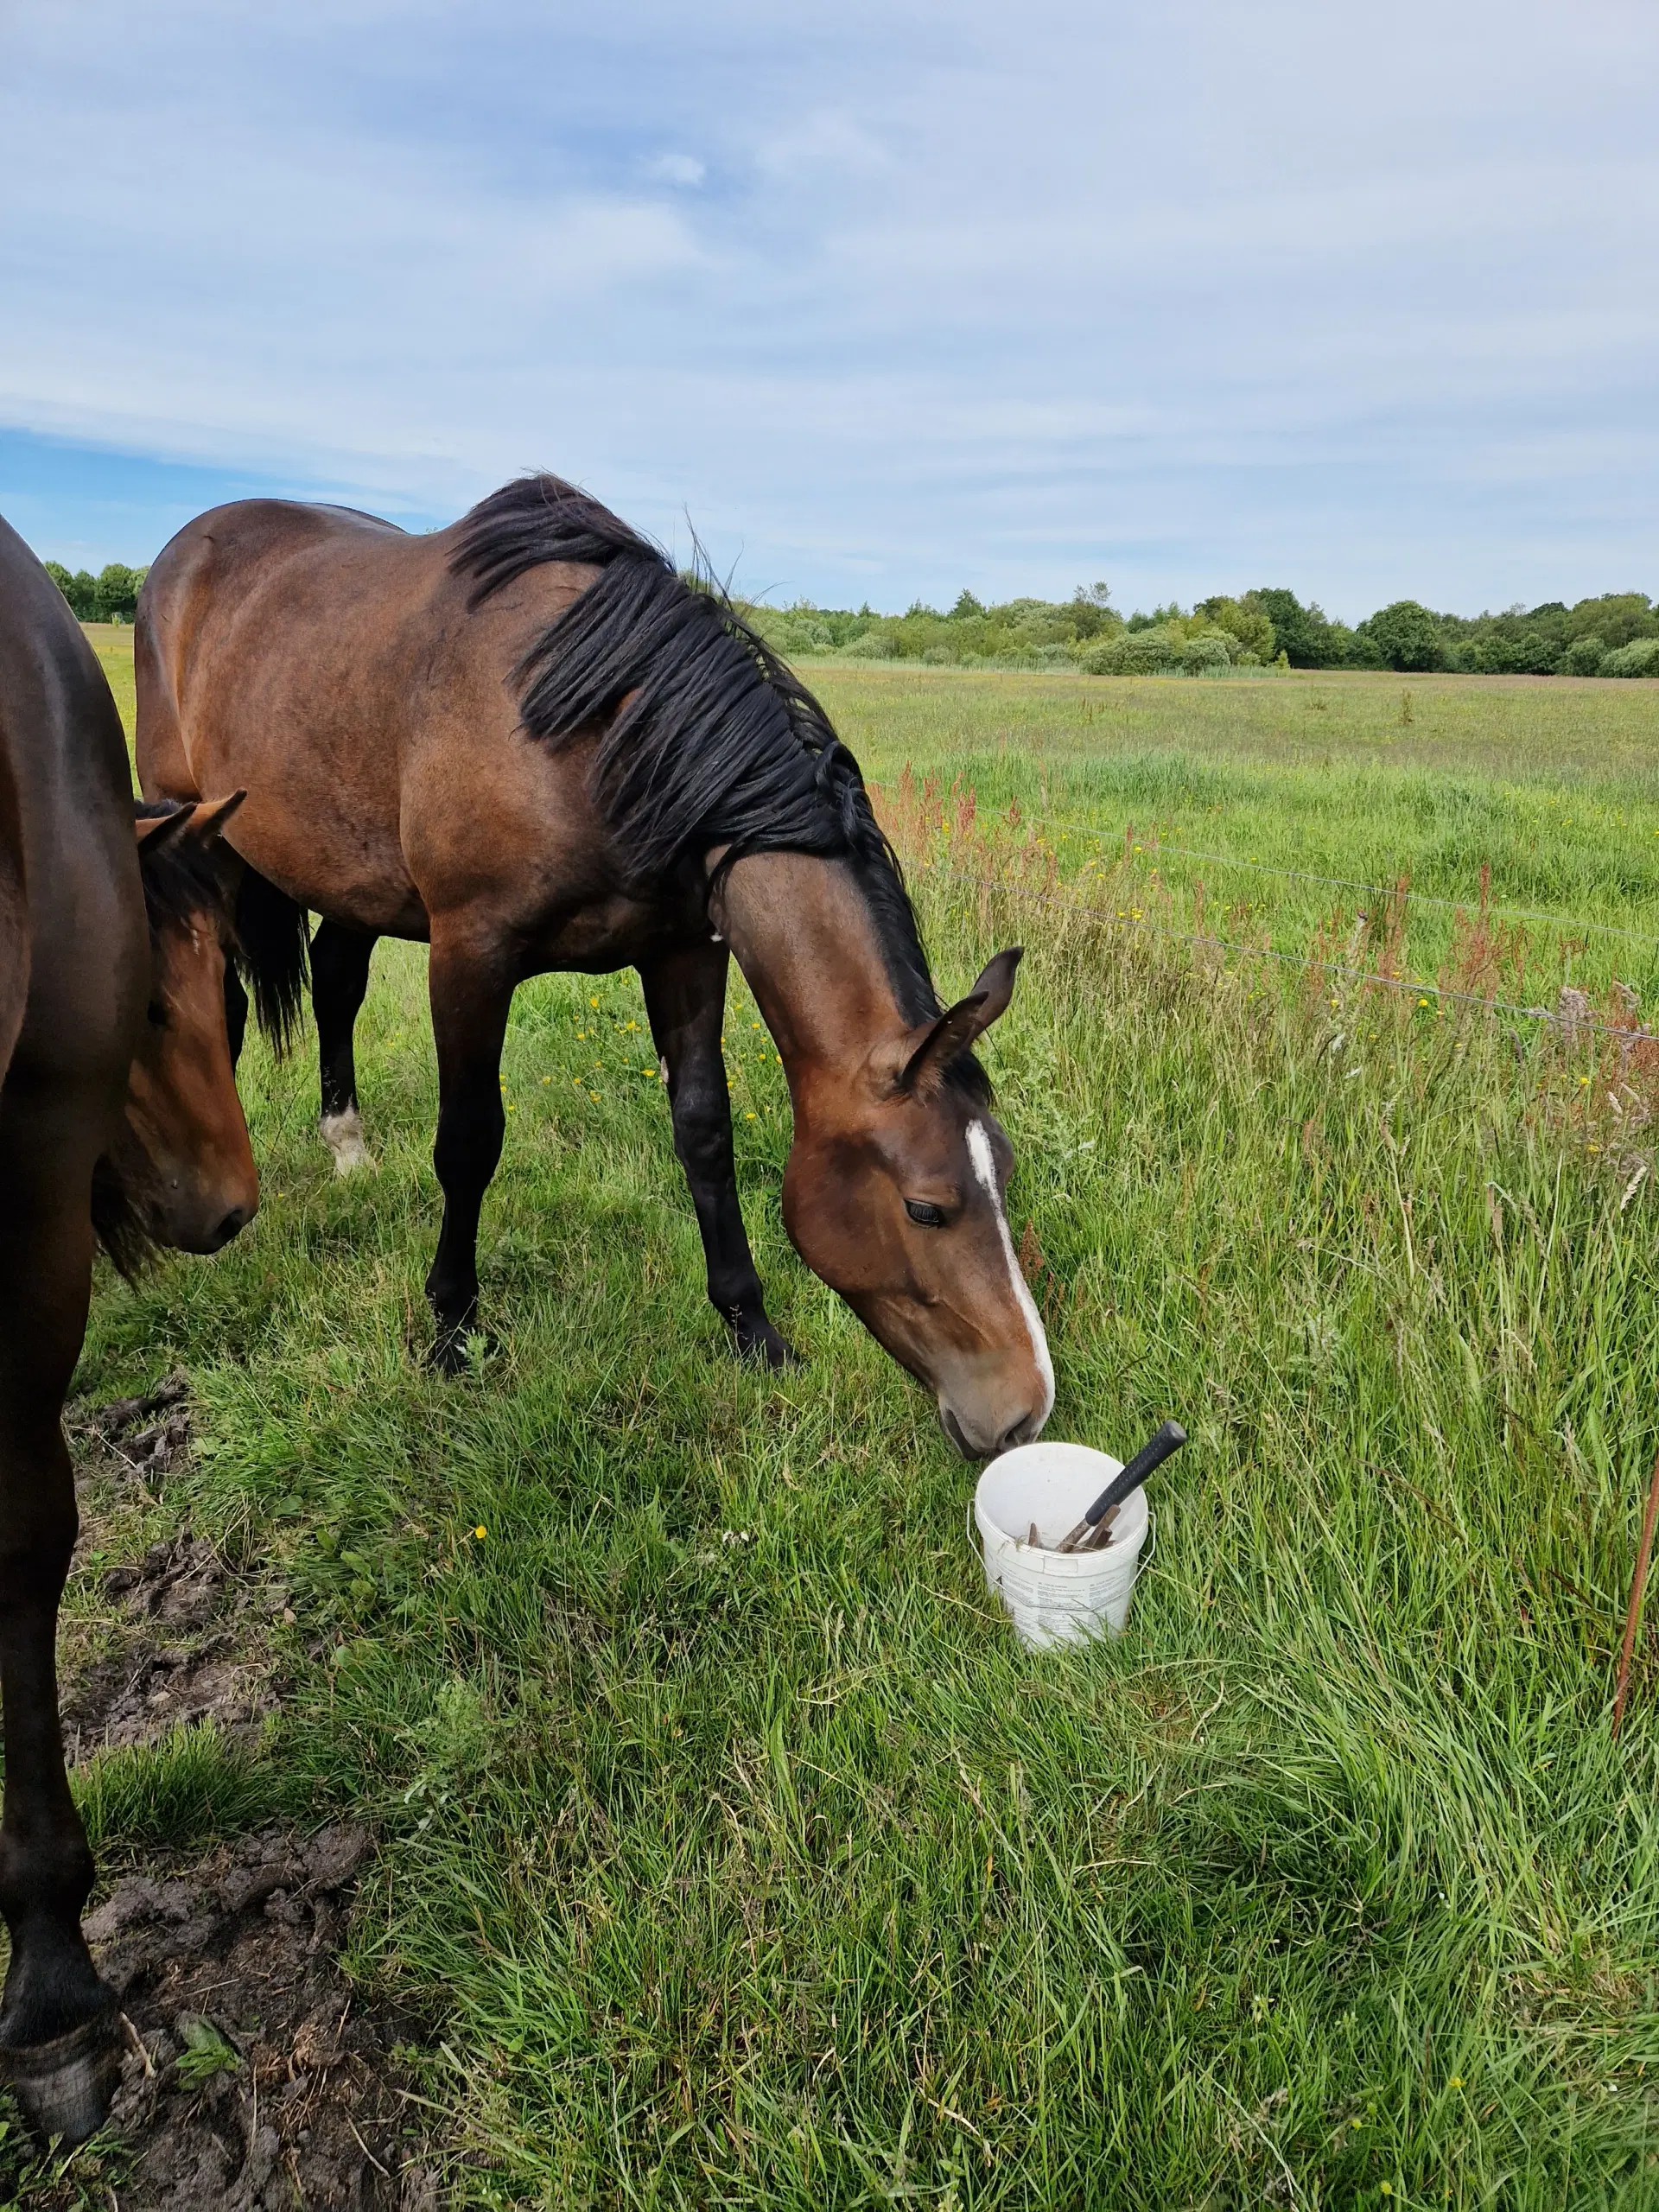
(1135, 653)
(1583, 657)
(1639, 658)
(1246, 623)
(1205, 655)
(873, 644)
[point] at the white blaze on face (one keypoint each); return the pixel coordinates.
(979, 1151)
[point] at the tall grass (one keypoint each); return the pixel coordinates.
(745, 1855)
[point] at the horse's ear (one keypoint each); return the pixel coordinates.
(155, 830)
(957, 1029)
(210, 816)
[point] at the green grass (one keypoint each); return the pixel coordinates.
(743, 1855)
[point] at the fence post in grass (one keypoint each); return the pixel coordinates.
(1638, 1584)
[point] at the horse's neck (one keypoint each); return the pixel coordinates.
(802, 931)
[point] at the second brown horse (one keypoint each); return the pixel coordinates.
(528, 741)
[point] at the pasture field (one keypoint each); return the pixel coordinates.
(732, 1851)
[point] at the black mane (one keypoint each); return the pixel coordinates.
(720, 742)
(182, 880)
(264, 933)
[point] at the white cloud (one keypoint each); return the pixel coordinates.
(1191, 295)
(685, 170)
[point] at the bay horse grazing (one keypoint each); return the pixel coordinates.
(118, 1109)
(528, 741)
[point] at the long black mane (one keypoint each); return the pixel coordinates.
(719, 743)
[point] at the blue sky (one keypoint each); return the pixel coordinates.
(890, 299)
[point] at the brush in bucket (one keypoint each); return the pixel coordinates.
(1035, 1501)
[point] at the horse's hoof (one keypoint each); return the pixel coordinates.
(760, 1342)
(65, 2086)
(457, 1351)
(447, 1353)
(343, 1135)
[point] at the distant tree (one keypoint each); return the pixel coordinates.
(1406, 635)
(1251, 626)
(116, 592)
(1091, 612)
(80, 589)
(1617, 618)
(966, 606)
(1302, 633)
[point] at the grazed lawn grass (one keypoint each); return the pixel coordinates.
(745, 1856)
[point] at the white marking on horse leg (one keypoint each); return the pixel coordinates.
(979, 1151)
(343, 1135)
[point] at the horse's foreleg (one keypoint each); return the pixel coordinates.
(340, 979)
(685, 998)
(471, 989)
(59, 2047)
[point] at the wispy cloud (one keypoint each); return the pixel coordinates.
(685, 170)
(891, 301)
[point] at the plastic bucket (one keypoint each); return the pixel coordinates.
(1056, 1597)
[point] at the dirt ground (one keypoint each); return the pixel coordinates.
(255, 2075)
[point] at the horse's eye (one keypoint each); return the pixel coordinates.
(155, 1012)
(929, 1217)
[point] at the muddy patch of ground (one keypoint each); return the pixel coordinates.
(173, 1634)
(255, 2075)
(255, 2078)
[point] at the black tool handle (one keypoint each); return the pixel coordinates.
(1150, 1456)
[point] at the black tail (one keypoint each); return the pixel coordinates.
(273, 955)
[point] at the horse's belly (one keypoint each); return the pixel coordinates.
(605, 935)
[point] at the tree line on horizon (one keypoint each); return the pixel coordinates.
(1615, 635)
(110, 596)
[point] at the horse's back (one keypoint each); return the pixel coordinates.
(332, 666)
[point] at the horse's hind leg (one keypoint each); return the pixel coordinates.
(59, 2045)
(471, 989)
(685, 998)
(340, 979)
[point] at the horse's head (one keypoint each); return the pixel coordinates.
(181, 1172)
(895, 1196)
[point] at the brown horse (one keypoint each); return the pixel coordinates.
(118, 1105)
(528, 741)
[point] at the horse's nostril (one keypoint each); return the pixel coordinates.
(1022, 1432)
(235, 1219)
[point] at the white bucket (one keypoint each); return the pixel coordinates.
(1056, 1597)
